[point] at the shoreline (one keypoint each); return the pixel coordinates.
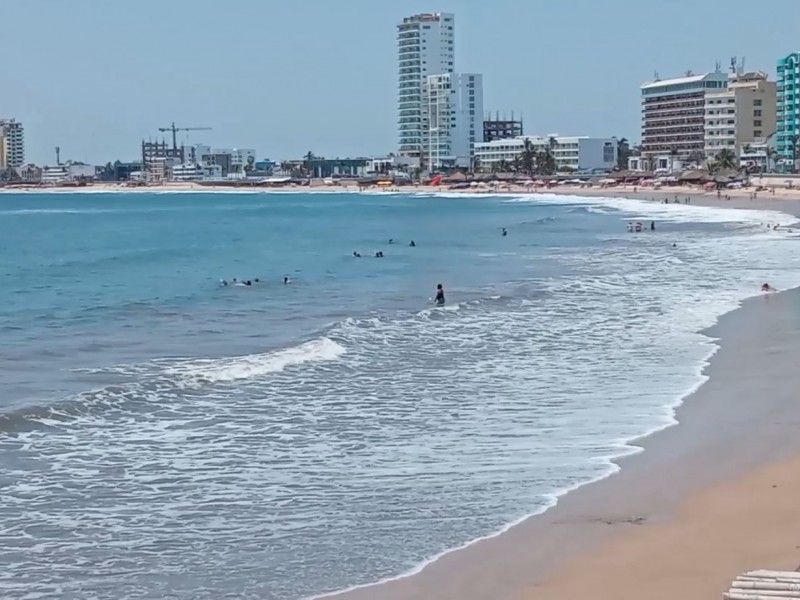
(547, 551)
(783, 199)
(631, 451)
(429, 579)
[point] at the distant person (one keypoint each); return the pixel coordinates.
(505, 233)
(356, 254)
(256, 280)
(652, 225)
(285, 281)
(630, 227)
(235, 281)
(379, 254)
(412, 244)
(766, 287)
(391, 241)
(248, 282)
(439, 295)
(223, 283)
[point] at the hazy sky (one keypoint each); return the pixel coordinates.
(97, 76)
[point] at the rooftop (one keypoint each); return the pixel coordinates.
(683, 80)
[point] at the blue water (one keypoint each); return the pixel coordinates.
(165, 436)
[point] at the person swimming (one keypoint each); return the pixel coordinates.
(356, 254)
(505, 233)
(391, 241)
(412, 244)
(439, 295)
(379, 254)
(223, 283)
(285, 281)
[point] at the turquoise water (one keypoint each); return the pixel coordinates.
(163, 435)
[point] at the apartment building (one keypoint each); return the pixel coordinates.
(673, 114)
(741, 114)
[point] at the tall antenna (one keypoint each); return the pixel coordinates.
(58, 156)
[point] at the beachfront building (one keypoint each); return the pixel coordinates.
(68, 172)
(788, 110)
(240, 161)
(426, 46)
(673, 116)
(14, 135)
(455, 119)
(571, 153)
(739, 115)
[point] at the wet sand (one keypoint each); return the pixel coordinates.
(607, 539)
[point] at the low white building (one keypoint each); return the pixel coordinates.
(64, 173)
(239, 157)
(196, 172)
(571, 153)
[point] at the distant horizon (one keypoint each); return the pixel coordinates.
(283, 84)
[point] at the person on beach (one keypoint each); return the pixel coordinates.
(439, 295)
(766, 287)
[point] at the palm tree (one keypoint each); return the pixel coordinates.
(673, 154)
(307, 160)
(771, 154)
(623, 153)
(726, 159)
(286, 167)
(516, 164)
(546, 162)
(527, 158)
(696, 157)
(502, 166)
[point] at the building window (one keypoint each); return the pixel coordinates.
(756, 102)
(756, 113)
(757, 133)
(757, 123)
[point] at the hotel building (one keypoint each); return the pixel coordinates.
(673, 114)
(740, 115)
(788, 107)
(14, 134)
(455, 118)
(426, 46)
(573, 153)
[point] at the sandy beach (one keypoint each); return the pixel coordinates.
(708, 498)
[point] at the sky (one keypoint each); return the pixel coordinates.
(95, 77)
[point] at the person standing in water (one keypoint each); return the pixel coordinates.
(505, 233)
(439, 295)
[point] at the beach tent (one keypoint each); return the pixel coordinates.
(758, 585)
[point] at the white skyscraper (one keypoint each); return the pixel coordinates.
(14, 135)
(455, 116)
(425, 47)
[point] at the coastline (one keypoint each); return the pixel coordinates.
(554, 565)
(782, 199)
(722, 441)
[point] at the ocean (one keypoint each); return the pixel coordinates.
(165, 436)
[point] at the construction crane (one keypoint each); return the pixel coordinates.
(175, 131)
